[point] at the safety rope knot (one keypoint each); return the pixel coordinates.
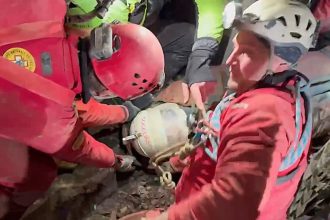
(165, 177)
(166, 180)
(185, 151)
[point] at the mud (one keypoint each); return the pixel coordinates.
(141, 191)
(97, 194)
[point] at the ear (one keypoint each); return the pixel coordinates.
(279, 65)
(101, 43)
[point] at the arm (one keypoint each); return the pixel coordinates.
(205, 49)
(208, 36)
(97, 114)
(246, 171)
(88, 151)
(209, 19)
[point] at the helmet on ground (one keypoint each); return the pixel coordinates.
(158, 128)
(289, 26)
(127, 59)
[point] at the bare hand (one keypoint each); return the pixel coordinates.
(199, 93)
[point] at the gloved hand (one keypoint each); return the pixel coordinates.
(144, 101)
(131, 109)
(199, 81)
(124, 163)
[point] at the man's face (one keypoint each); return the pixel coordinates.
(248, 62)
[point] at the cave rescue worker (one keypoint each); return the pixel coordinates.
(183, 44)
(48, 83)
(259, 136)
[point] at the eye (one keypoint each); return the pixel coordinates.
(248, 53)
(244, 54)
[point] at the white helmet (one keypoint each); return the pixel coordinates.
(289, 26)
(156, 129)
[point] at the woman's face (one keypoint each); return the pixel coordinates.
(248, 61)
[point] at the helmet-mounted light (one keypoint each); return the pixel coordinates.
(232, 14)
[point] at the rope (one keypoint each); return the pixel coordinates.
(183, 150)
(165, 177)
(167, 153)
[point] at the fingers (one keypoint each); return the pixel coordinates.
(206, 131)
(199, 92)
(205, 127)
(195, 90)
(185, 92)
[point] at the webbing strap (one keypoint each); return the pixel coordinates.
(215, 122)
(283, 179)
(297, 148)
(319, 86)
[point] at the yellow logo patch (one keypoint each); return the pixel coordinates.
(21, 57)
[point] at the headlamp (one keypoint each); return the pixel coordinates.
(232, 13)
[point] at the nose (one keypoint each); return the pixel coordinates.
(230, 60)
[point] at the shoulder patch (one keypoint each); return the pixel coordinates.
(21, 57)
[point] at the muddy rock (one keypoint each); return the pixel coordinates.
(97, 194)
(142, 192)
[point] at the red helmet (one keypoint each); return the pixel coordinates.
(127, 59)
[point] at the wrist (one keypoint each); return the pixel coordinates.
(126, 112)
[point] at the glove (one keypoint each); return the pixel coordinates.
(124, 163)
(143, 102)
(131, 110)
(198, 68)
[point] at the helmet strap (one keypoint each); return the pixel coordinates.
(84, 68)
(270, 70)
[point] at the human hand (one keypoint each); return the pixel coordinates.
(205, 127)
(199, 77)
(124, 163)
(199, 92)
(155, 215)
